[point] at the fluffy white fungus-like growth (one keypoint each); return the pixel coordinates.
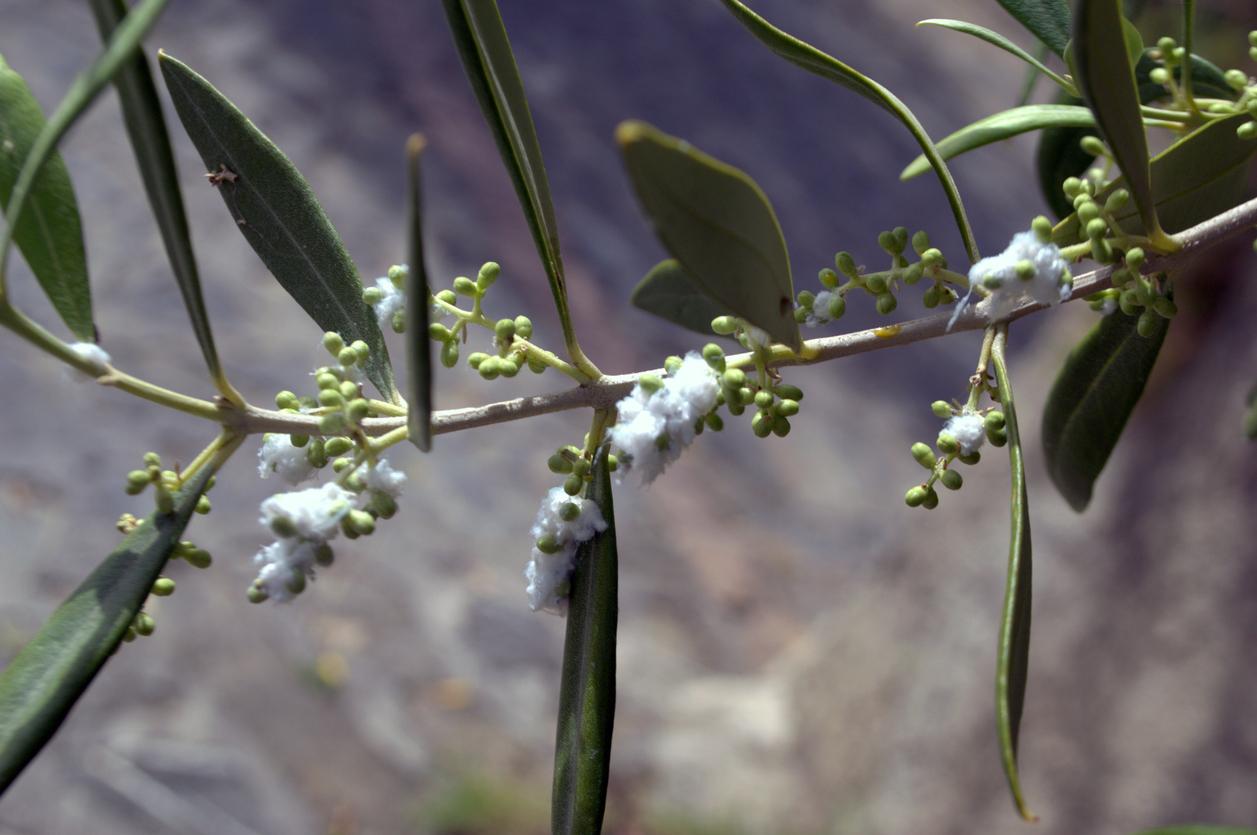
(392, 299)
(968, 429)
(312, 514)
(382, 478)
(94, 354)
(278, 455)
(652, 427)
(1028, 270)
(819, 314)
(548, 574)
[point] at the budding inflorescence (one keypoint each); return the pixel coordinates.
(563, 522)
(960, 440)
(1031, 268)
(830, 302)
(388, 298)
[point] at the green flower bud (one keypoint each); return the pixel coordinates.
(763, 399)
(581, 467)
(523, 327)
(447, 296)
(324, 555)
(947, 443)
(573, 484)
(326, 380)
(490, 368)
(1024, 269)
(1147, 324)
(337, 446)
(152, 459)
(203, 506)
(886, 240)
(781, 427)
(464, 286)
(257, 594)
(997, 437)
(970, 459)
(476, 357)
(933, 258)
(129, 635)
(348, 390)
(489, 272)
(1248, 130)
(876, 282)
(144, 624)
(509, 366)
(724, 325)
(736, 409)
(924, 455)
(357, 410)
(1166, 46)
(941, 409)
(296, 582)
(559, 464)
(994, 421)
(504, 330)
(951, 479)
(287, 400)
(298, 440)
(787, 408)
(341, 464)
(283, 527)
(362, 349)
(915, 496)
(137, 480)
(347, 357)
(536, 365)
(1128, 301)
(714, 421)
(1135, 258)
(569, 511)
(333, 342)
(613, 463)
(992, 282)
(397, 274)
(762, 424)
(331, 398)
(828, 278)
(837, 307)
(449, 353)
(715, 356)
(1159, 75)
(360, 521)
(333, 424)
(672, 364)
(1092, 145)
(931, 499)
(164, 501)
(788, 392)
(1097, 228)
(931, 297)
(650, 383)
(1117, 200)
(805, 298)
(920, 242)
(1164, 307)
(163, 587)
(1236, 79)
(316, 453)
(371, 295)
(547, 543)
(846, 264)
(913, 273)
(886, 303)
(734, 378)
(1042, 228)
(800, 315)
(437, 332)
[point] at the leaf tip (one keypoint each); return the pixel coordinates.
(415, 144)
(632, 131)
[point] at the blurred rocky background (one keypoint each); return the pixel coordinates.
(799, 652)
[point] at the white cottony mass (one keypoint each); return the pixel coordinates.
(548, 574)
(1028, 270)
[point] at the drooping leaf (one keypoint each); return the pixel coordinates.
(418, 307)
(1197, 177)
(1047, 20)
(41, 684)
(487, 59)
(999, 41)
(670, 294)
(74, 295)
(815, 61)
(582, 751)
(49, 233)
(714, 220)
(146, 128)
(278, 214)
(1013, 663)
(1003, 125)
(1106, 79)
(1091, 400)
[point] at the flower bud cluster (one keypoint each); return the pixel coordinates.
(1031, 268)
(510, 353)
(570, 461)
(1174, 57)
(304, 522)
(563, 522)
(829, 303)
(1136, 294)
(960, 440)
(659, 418)
(388, 298)
(165, 484)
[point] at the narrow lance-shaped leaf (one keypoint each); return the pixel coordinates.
(278, 214)
(1250, 417)
(41, 684)
(667, 292)
(487, 59)
(87, 85)
(1106, 79)
(146, 128)
(582, 751)
(1004, 125)
(714, 220)
(815, 61)
(999, 41)
(1092, 399)
(49, 233)
(1047, 20)
(418, 305)
(1013, 662)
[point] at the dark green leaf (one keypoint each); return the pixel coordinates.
(1250, 417)
(146, 127)
(48, 233)
(826, 66)
(1013, 663)
(1000, 126)
(40, 686)
(670, 294)
(1047, 20)
(1197, 177)
(126, 39)
(717, 223)
(278, 214)
(1196, 829)
(1107, 81)
(582, 751)
(1091, 400)
(997, 40)
(418, 307)
(486, 54)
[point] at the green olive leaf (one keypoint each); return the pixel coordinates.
(1003, 125)
(582, 751)
(715, 221)
(278, 214)
(1197, 177)
(815, 61)
(667, 292)
(146, 128)
(487, 59)
(1047, 20)
(1013, 662)
(41, 684)
(1091, 400)
(1106, 79)
(999, 41)
(418, 306)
